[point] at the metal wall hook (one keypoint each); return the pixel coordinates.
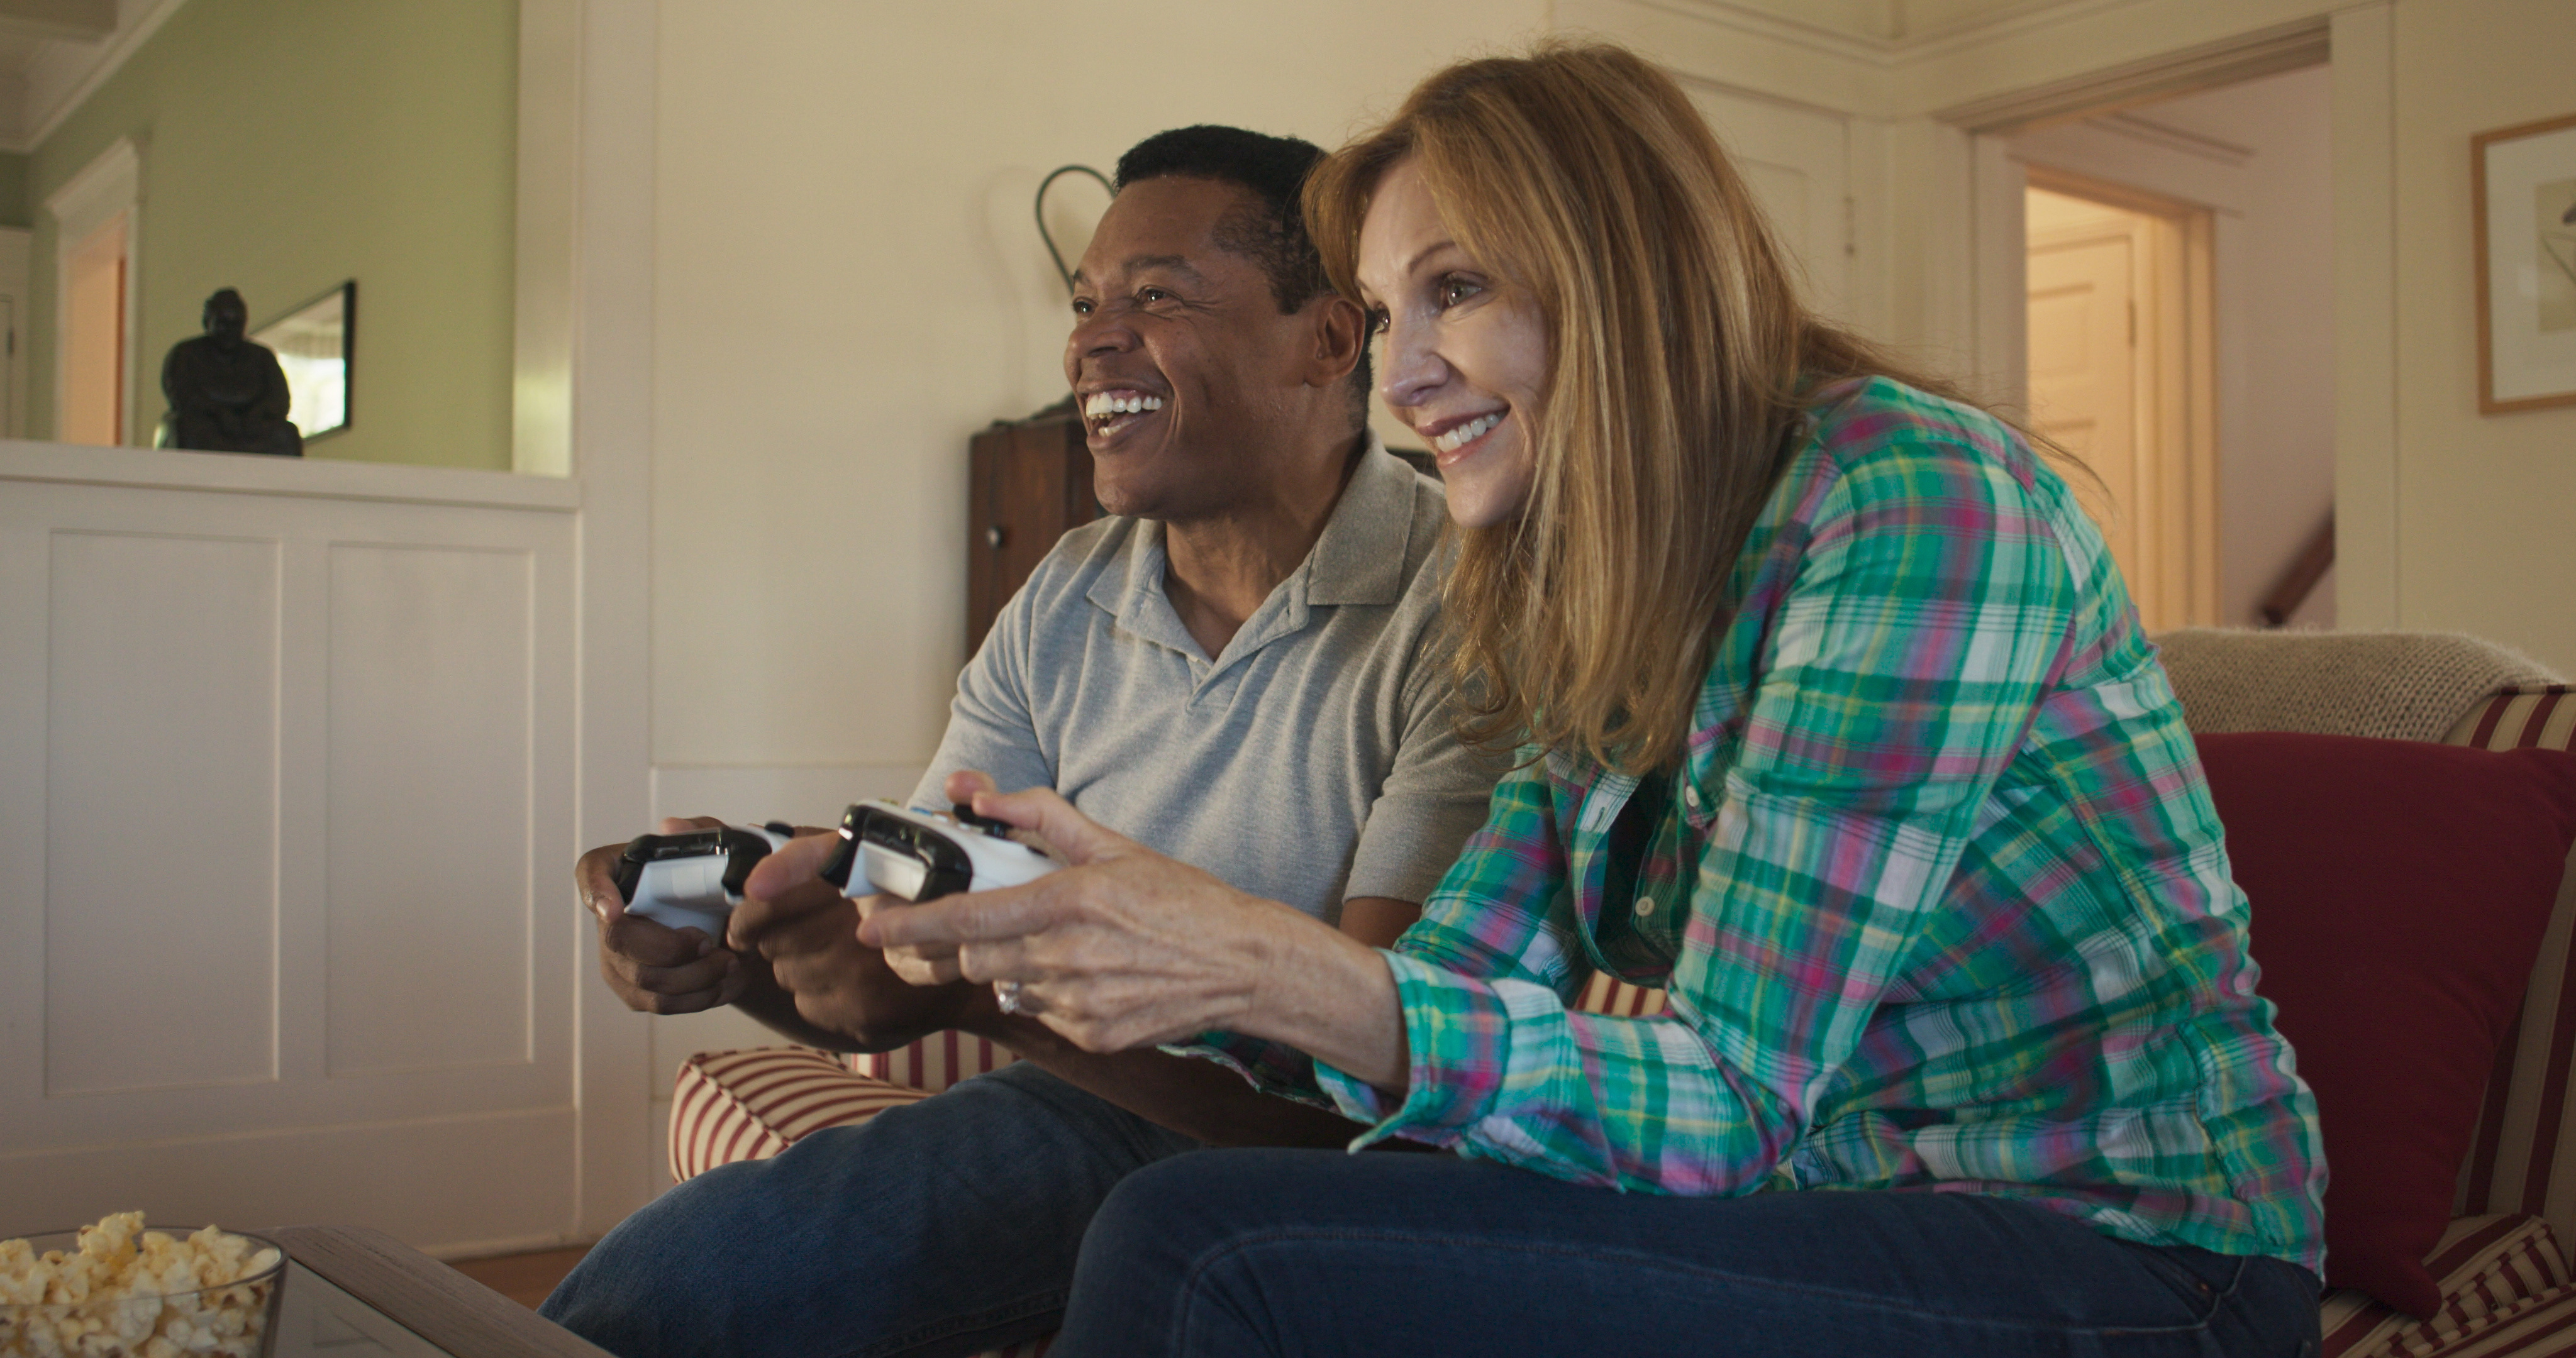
(1039, 210)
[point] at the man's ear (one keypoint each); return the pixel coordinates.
(1341, 335)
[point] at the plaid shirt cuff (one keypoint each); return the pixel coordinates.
(1458, 1038)
(1282, 1071)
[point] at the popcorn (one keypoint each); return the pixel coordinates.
(132, 1293)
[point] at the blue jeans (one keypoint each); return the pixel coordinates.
(947, 1226)
(1277, 1252)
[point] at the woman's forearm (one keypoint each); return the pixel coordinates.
(1331, 996)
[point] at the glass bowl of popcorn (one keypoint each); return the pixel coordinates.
(116, 1290)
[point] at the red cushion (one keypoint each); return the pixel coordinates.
(2398, 894)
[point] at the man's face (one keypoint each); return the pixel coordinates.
(1180, 359)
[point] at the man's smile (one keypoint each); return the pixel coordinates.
(1112, 411)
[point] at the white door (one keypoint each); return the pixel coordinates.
(1798, 162)
(2084, 378)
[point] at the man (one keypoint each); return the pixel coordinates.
(1239, 669)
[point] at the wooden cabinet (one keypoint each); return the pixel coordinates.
(1028, 481)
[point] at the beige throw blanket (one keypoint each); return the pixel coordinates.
(2392, 685)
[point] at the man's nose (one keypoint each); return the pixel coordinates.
(1104, 331)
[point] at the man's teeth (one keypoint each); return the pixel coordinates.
(1118, 403)
(1467, 433)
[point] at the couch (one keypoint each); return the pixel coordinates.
(2505, 1285)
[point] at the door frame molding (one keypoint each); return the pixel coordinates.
(584, 381)
(2359, 42)
(2186, 330)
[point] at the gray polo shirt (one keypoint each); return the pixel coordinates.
(1311, 762)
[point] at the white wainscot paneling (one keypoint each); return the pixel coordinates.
(429, 909)
(160, 926)
(286, 768)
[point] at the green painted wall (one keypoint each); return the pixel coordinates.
(288, 145)
(16, 208)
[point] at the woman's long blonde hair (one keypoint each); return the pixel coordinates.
(1679, 354)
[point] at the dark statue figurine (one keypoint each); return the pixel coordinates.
(226, 393)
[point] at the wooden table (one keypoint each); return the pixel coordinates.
(453, 1313)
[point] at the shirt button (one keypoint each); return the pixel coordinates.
(1645, 907)
(1691, 795)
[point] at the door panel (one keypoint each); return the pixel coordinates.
(161, 713)
(2083, 381)
(1797, 161)
(285, 798)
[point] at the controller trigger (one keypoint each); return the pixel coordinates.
(994, 826)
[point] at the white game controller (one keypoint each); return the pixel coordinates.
(693, 880)
(923, 855)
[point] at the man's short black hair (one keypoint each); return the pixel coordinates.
(1273, 170)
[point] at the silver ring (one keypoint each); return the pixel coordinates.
(1007, 995)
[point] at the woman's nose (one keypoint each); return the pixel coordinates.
(1409, 367)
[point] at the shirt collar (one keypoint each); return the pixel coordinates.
(1358, 558)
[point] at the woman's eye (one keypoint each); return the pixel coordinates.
(1376, 322)
(1454, 290)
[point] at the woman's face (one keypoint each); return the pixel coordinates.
(1464, 361)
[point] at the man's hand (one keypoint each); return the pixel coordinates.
(806, 932)
(654, 968)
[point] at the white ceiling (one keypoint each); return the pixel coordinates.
(54, 52)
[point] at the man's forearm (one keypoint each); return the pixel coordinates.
(776, 1010)
(1198, 1099)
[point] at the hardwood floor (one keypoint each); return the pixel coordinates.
(523, 1278)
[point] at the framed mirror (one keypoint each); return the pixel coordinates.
(316, 344)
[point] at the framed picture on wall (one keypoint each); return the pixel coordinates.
(2524, 185)
(315, 343)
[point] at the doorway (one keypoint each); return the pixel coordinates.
(95, 283)
(2119, 295)
(2245, 167)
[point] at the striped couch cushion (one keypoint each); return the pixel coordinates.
(2522, 1158)
(935, 1062)
(750, 1105)
(2502, 1279)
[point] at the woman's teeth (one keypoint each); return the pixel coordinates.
(1467, 433)
(1106, 408)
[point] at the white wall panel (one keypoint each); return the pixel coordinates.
(160, 918)
(286, 803)
(428, 858)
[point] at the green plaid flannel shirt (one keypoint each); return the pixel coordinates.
(1941, 901)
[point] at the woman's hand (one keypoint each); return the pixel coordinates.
(1127, 947)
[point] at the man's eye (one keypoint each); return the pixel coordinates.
(1082, 306)
(1454, 290)
(1153, 295)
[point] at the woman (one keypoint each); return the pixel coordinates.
(1837, 723)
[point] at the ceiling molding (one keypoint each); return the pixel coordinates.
(65, 74)
(1752, 48)
(2284, 47)
(1881, 50)
(78, 20)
